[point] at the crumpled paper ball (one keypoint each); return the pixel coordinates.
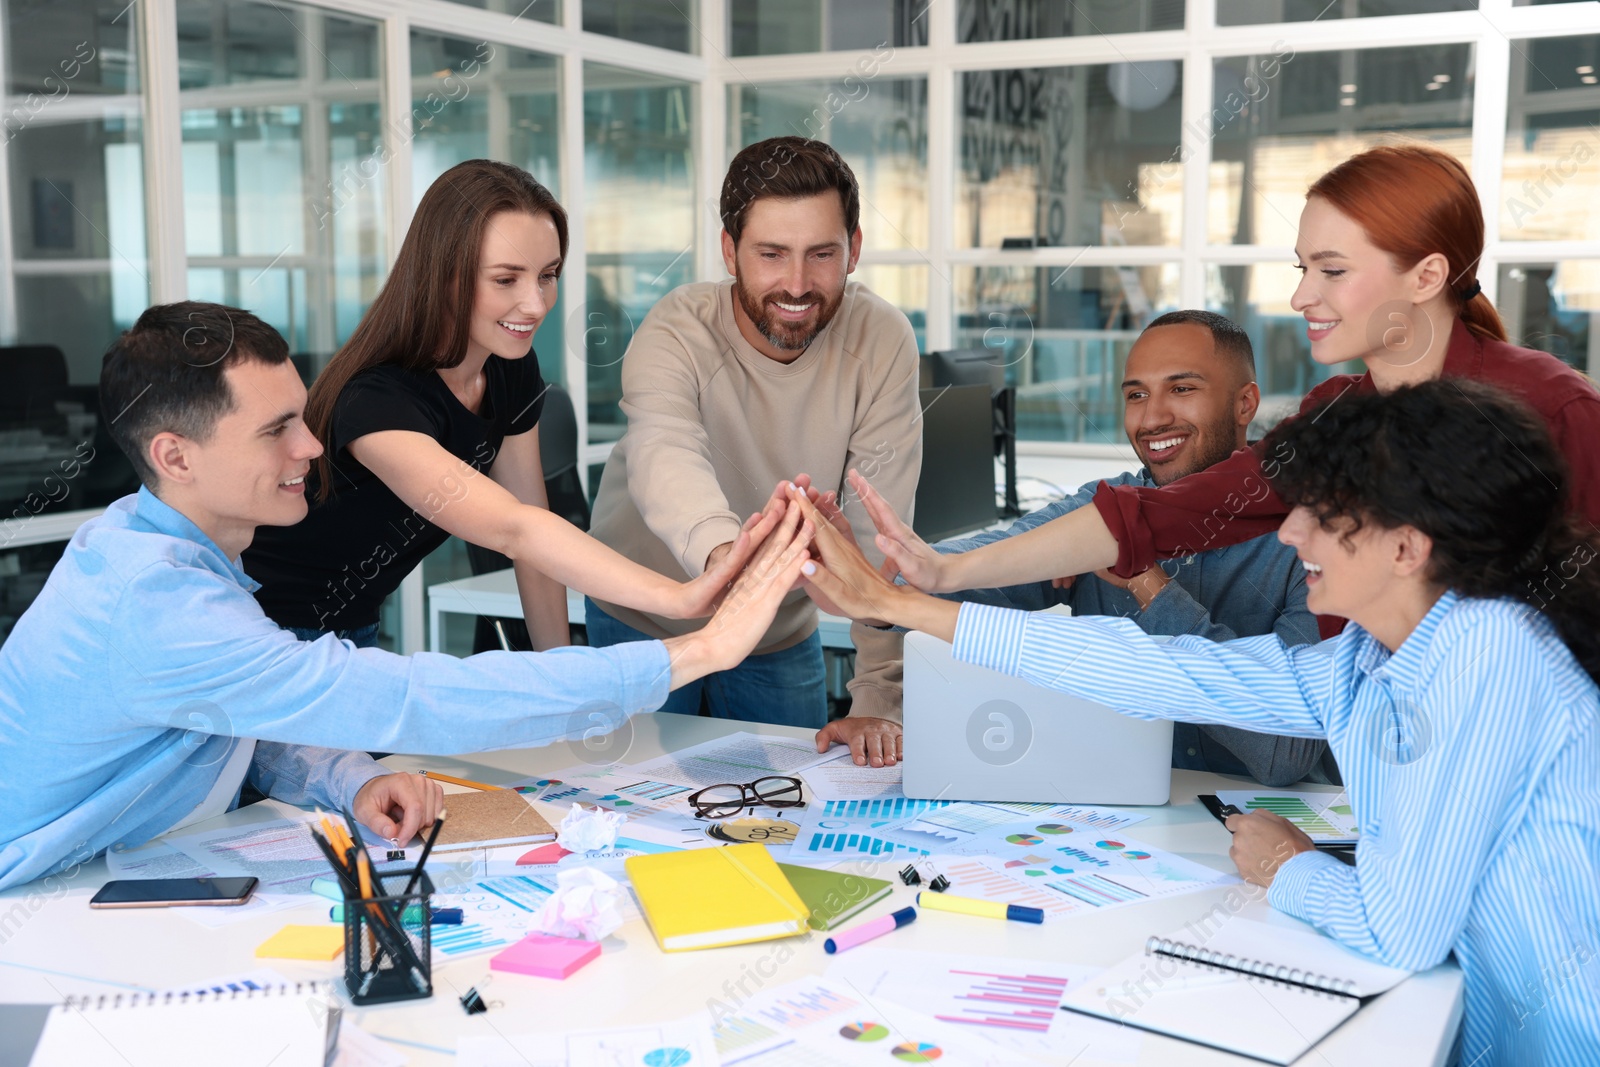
(587, 904)
(587, 829)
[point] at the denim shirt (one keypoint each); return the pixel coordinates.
(124, 686)
(1243, 590)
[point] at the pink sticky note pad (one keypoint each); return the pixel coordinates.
(545, 956)
(542, 855)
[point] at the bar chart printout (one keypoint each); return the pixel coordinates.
(1008, 1003)
(1323, 817)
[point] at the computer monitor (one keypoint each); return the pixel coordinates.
(955, 493)
(966, 366)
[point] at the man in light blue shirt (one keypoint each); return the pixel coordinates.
(1189, 394)
(144, 685)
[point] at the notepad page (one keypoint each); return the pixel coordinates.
(281, 1029)
(1307, 950)
(1255, 1017)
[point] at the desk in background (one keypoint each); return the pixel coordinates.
(52, 945)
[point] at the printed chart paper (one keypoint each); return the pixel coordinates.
(1324, 817)
(684, 1043)
(1008, 1003)
(734, 759)
(972, 829)
(495, 913)
(819, 1023)
(840, 779)
(1100, 872)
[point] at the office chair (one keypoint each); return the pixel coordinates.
(558, 453)
(35, 377)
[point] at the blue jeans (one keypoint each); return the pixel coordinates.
(361, 636)
(788, 688)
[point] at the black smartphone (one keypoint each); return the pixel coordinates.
(173, 892)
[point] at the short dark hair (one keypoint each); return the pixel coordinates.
(787, 168)
(1226, 335)
(166, 373)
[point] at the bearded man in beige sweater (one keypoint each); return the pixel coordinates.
(788, 370)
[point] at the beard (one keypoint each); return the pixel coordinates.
(1214, 446)
(788, 336)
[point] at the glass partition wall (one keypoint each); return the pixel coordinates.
(1039, 178)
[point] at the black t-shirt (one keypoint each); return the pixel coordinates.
(332, 570)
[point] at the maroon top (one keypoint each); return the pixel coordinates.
(1232, 501)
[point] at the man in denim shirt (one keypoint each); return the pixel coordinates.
(1189, 394)
(145, 685)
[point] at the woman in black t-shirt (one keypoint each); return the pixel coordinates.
(428, 417)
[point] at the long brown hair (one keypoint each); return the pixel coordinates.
(1414, 200)
(422, 316)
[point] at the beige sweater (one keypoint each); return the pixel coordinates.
(713, 425)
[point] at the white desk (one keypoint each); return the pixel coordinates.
(53, 945)
(495, 594)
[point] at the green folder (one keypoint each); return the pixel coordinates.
(833, 896)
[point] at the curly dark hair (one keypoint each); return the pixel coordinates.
(1470, 466)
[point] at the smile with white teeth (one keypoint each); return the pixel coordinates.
(793, 308)
(1166, 443)
(1311, 568)
(294, 481)
(518, 327)
(1320, 327)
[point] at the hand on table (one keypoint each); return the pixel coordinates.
(871, 740)
(1263, 842)
(396, 806)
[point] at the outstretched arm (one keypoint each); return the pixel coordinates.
(453, 496)
(544, 601)
(1075, 543)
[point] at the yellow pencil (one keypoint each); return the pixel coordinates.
(436, 776)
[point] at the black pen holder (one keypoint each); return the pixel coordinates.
(387, 946)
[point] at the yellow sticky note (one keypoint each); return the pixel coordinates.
(304, 943)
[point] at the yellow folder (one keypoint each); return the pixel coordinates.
(709, 897)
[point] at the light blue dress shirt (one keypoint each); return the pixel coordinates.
(123, 687)
(1472, 760)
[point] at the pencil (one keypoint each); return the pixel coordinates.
(436, 776)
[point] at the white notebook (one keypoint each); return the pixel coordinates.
(293, 1025)
(1258, 990)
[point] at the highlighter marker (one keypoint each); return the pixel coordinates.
(868, 930)
(989, 909)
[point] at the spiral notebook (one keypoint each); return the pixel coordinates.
(1264, 991)
(291, 1025)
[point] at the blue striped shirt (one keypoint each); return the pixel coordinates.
(1472, 760)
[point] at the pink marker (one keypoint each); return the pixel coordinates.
(857, 935)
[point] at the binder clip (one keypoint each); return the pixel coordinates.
(909, 875)
(472, 1003)
(396, 855)
(939, 884)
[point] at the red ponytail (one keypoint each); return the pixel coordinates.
(1412, 201)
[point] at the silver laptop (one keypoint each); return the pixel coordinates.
(976, 734)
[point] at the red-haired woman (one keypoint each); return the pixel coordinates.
(1389, 246)
(429, 419)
